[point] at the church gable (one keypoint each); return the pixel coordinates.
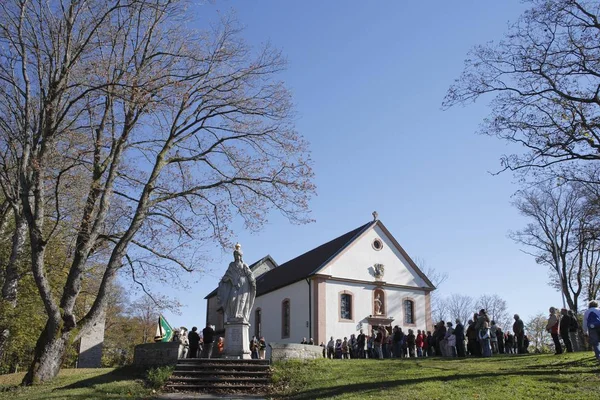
(376, 256)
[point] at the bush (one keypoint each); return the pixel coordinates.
(157, 377)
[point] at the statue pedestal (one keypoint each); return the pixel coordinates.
(237, 341)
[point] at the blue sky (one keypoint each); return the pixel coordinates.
(368, 80)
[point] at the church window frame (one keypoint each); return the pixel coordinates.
(409, 311)
(349, 296)
(286, 312)
(258, 323)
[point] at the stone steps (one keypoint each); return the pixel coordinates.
(236, 373)
(221, 376)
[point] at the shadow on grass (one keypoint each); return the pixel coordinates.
(117, 375)
(361, 387)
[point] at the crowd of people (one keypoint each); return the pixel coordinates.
(195, 345)
(481, 337)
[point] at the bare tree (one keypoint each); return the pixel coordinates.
(460, 306)
(496, 309)
(138, 139)
(563, 235)
(545, 80)
(538, 336)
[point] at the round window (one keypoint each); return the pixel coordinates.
(377, 244)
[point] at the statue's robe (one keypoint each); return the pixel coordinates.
(237, 290)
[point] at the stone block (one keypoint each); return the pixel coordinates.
(90, 347)
(289, 351)
(156, 354)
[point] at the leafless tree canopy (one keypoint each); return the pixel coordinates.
(545, 79)
(563, 234)
(137, 138)
(460, 306)
(496, 308)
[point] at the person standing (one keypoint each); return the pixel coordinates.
(184, 347)
(345, 349)
(208, 338)
(262, 348)
(573, 331)
(564, 325)
(331, 348)
(411, 342)
(519, 330)
(494, 338)
(419, 343)
(500, 336)
(378, 342)
(254, 348)
(194, 340)
(459, 333)
(484, 339)
(552, 326)
(360, 343)
(591, 327)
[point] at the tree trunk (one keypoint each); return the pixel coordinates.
(48, 355)
(11, 279)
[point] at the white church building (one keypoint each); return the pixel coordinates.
(359, 280)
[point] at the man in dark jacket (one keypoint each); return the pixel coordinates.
(439, 333)
(208, 336)
(194, 340)
(500, 336)
(519, 330)
(360, 343)
(459, 333)
(564, 325)
(574, 331)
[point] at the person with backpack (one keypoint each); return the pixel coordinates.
(591, 327)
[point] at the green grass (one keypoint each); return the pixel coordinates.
(569, 376)
(79, 384)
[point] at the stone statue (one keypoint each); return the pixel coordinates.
(378, 304)
(379, 269)
(237, 289)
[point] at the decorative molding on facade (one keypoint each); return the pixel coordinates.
(378, 271)
(378, 283)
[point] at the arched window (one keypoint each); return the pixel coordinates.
(257, 323)
(346, 306)
(285, 319)
(409, 311)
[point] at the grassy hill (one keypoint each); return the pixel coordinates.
(569, 376)
(79, 384)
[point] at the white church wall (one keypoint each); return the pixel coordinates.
(363, 307)
(271, 314)
(262, 268)
(356, 262)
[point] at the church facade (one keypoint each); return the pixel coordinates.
(358, 280)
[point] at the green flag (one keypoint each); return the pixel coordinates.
(164, 332)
